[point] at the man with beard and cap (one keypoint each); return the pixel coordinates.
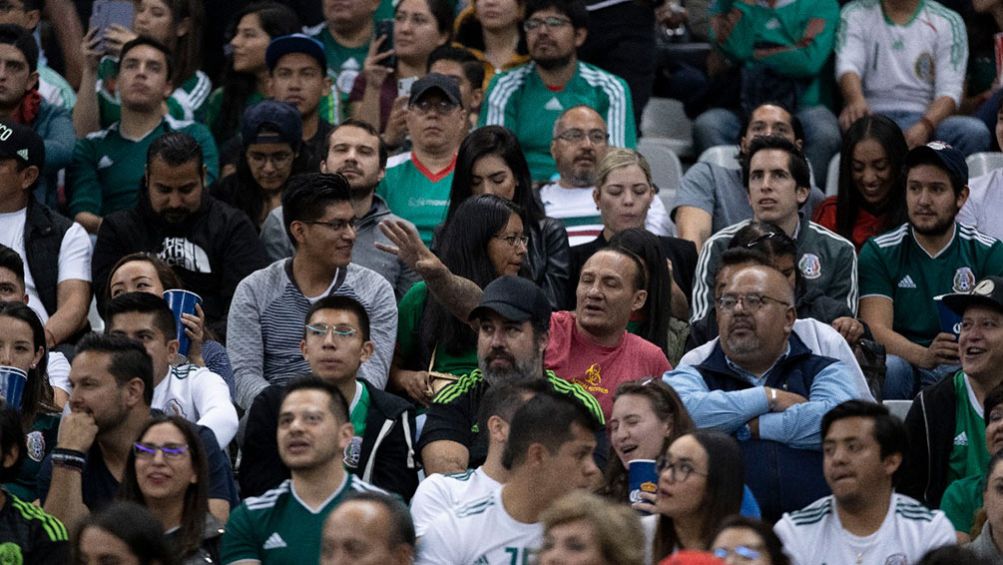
(209, 244)
(932, 254)
(513, 329)
(355, 150)
(762, 384)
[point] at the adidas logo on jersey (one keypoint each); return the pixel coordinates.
(554, 105)
(274, 541)
(906, 282)
(961, 439)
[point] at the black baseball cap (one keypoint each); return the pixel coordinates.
(434, 81)
(513, 298)
(18, 141)
(295, 43)
(271, 121)
(949, 158)
(988, 292)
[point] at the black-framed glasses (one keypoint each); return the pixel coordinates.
(679, 471)
(339, 331)
(751, 302)
(514, 240)
(334, 225)
(552, 22)
(596, 136)
(743, 552)
(149, 450)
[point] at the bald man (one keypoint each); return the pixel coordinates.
(762, 384)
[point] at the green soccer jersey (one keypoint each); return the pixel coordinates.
(343, 63)
(276, 528)
(894, 265)
(107, 168)
(519, 100)
(417, 194)
(188, 102)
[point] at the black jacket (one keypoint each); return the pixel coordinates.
(930, 422)
(212, 251)
(387, 457)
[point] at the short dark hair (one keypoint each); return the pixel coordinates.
(175, 148)
(150, 42)
(573, 9)
(338, 405)
(796, 163)
(366, 127)
(11, 260)
(505, 399)
(473, 68)
(344, 303)
(23, 40)
(889, 431)
(128, 359)
(142, 303)
(308, 195)
(11, 437)
(545, 419)
(401, 530)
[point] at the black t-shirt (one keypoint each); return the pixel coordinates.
(29, 535)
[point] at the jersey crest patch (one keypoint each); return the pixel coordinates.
(36, 449)
(964, 280)
(810, 266)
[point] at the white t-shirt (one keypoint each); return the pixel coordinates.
(480, 532)
(814, 535)
(577, 211)
(439, 492)
(74, 255)
(907, 67)
(198, 395)
(985, 200)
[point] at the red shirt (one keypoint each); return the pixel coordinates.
(868, 225)
(576, 358)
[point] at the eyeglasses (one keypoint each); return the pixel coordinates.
(340, 332)
(596, 136)
(278, 159)
(149, 450)
(751, 302)
(743, 552)
(552, 22)
(334, 225)
(514, 240)
(678, 472)
(441, 107)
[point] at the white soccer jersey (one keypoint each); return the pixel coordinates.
(576, 209)
(479, 532)
(439, 493)
(907, 67)
(815, 536)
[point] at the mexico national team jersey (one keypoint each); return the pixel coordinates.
(277, 527)
(894, 266)
(479, 532)
(519, 100)
(417, 194)
(440, 492)
(815, 536)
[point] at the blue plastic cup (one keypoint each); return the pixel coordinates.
(641, 477)
(181, 302)
(12, 383)
(950, 322)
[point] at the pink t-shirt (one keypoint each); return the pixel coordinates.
(600, 370)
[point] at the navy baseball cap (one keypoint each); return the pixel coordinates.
(295, 43)
(949, 158)
(513, 298)
(271, 121)
(434, 81)
(988, 292)
(18, 141)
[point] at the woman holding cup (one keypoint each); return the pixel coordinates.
(145, 272)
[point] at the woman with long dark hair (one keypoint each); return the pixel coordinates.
(167, 472)
(491, 161)
(484, 240)
(871, 197)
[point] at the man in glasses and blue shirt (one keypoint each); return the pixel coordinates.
(762, 384)
(335, 342)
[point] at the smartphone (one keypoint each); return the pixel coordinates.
(385, 28)
(108, 12)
